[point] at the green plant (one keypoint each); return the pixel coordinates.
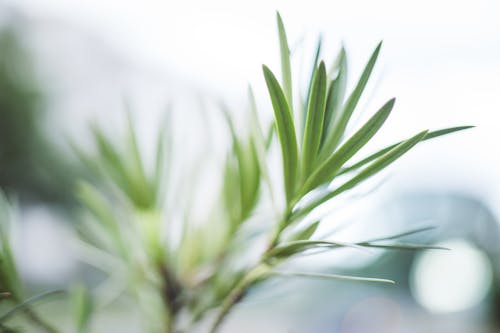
(183, 272)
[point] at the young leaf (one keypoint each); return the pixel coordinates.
(330, 276)
(290, 248)
(403, 234)
(430, 135)
(340, 124)
(335, 97)
(309, 87)
(314, 120)
(329, 168)
(286, 132)
(305, 233)
(379, 164)
(410, 247)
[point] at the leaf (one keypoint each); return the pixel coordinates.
(25, 305)
(309, 87)
(335, 97)
(411, 247)
(247, 173)
(314, 120)
(379, 164)
(290, 248)
(403, 234)
(339, 127)
(286, 70)
(286, 132)
(306, 232)
(141, 194)
(82, 308)
(430, 135)
(330, 277)
(260, 143)
(329, 168)
(96, 203)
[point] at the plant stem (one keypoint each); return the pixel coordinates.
(237, 293)
(228, 304)
(39, 321)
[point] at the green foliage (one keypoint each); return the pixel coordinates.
(205, 270)
(180, 268)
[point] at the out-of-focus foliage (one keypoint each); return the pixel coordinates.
(30, 165)
(11, 288)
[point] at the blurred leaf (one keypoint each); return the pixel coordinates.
(260, 143)
(82, 308)
(26, 305)
(142, 195)
(97, 204)
(306, 232)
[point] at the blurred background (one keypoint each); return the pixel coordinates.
(65, 63)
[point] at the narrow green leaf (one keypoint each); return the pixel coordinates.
(335, 97)
(309, 87)
(305, 233)
(110, 162)
(290, 248)
(286, 70)
(379, 164)
(314, 120)
(140, 194)
(260, 144)
(286, 132)
(411, 247)
(330, 277)
(430, 135)
(340, 125)
(332, 165)
(82, 308)
(403, 234)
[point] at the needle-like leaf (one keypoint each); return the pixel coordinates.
(330, 277)
(290, 248)
(314, 120)
(329, 168)
(379, 164)
(286, 70)
(403, 234)
(302, 118)
(335, 97)
(340, 124)
(286, 132)
(430, 135)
